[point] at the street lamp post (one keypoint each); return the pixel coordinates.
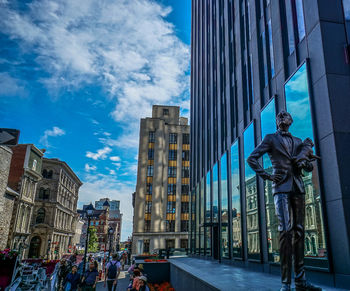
(110, 234)
(48, 248)
(89, 212)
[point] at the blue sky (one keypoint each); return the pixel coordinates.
(77, 76)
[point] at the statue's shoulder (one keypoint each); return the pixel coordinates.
(269, 136)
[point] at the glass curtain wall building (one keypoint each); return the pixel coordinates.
(250, 60)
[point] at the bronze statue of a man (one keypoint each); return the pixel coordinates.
(289, 156)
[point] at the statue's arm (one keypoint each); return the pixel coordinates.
(253, 159)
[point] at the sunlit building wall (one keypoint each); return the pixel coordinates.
(161, 200)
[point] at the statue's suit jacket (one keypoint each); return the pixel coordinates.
(282, 162)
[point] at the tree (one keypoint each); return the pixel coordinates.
(92, 244)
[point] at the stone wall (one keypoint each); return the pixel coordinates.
(6, 203)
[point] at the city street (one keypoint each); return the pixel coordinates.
(122, 282)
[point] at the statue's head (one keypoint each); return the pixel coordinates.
(284, 120)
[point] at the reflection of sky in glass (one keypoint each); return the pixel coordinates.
(236, 204)
(300, 18)
(268, 125)
(346, 5)
(202, 201)
(272, 59)
(224, 190)
(290, 26)
(248, 148)
(298, 104)
(208, 197)
(215, 192)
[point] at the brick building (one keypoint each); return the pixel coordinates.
(7, 196)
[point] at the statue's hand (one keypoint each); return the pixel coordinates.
(277, 178)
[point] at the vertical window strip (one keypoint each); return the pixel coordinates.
(272, 59)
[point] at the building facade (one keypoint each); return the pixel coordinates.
(250, 60)
(7, 196)
(55, 212)
(25, 173)
(161, 201)
(99, 221)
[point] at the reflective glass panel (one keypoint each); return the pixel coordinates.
(193, 221)
(202, 212)
(268, 125)
(290, 26)
(298, 105)
(208, 214)
(272, 59)
(300, 18)
(197, 219)
(251, 197)
(224, 208)
(236, 203)
(215, 193)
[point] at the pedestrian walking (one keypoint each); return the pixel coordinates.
(72, 280)
(90, 278)
(63, 271)
(112, 273)
(143, 284)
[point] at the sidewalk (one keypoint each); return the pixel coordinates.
(223, 277)
(123, 282)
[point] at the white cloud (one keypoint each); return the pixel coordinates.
(55, 131)
(89, 168)
(10, 86)
(115, 159)
(107, 133)
(97, 186)
(126, 47)
(100, 154)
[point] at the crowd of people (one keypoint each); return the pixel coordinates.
(72, 277)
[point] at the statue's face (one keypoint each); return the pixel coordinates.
(284, 120)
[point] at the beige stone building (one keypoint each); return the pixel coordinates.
(55, 213)
(161, 201)
(7, 196)
(25, 173)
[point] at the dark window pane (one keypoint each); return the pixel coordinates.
(208, 215)
(272, 59)
(151, 136)
(215, 193)
(185, 138)
(172, 138)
